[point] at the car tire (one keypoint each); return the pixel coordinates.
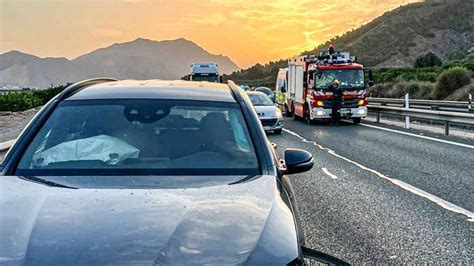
(277, 131)
(356, 120)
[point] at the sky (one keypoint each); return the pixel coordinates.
(246, 31)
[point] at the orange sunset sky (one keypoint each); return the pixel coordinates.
(246, 31)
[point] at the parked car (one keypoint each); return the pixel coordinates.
(149, 172)
(267, 91)
(269, 114)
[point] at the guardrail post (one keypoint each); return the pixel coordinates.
(446, 128)
(407, 106)
(469, 107)
(378, 118)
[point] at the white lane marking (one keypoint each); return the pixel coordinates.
(441, 202)
(420, 136)
(325, 170)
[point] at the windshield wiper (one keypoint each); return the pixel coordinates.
(44, 182)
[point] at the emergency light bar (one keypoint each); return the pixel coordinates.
(336, 58)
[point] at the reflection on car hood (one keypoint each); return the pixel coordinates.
(223, 224)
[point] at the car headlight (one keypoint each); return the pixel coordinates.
(278, 113)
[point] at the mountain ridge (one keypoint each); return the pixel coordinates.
(137, 59)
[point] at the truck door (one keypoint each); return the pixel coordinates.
(291, 88)
(299, 73)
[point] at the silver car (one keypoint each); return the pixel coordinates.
(269, 114)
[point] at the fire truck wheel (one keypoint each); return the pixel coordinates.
(356, 120)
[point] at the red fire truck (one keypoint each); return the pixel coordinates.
(309, 94)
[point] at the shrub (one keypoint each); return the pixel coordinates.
(450, 80)
(428, 60)
(425, 90)
(380, 90)
(27, 99)
(461, 94)
(397, 91)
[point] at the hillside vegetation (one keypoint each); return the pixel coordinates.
(396, 39)
(399, 36)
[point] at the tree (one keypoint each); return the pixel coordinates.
(428, 60)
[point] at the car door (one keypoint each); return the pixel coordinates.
(287, 192)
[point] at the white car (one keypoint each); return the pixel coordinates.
(269, 114)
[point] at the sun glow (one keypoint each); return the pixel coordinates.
(246, 31)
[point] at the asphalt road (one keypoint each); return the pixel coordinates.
(379, 198)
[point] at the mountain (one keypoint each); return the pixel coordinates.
(445, 27)
(138, 59)
(396, 38)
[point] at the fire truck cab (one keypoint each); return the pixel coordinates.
(310, 92)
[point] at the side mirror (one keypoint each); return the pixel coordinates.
(371, 78)
(313, 257)
(298, 161)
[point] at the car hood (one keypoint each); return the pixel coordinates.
(223, 224)
(268, 111)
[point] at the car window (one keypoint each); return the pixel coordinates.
(260, 99)
(152, 136)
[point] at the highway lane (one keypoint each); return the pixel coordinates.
(355, 214)
(441, 169)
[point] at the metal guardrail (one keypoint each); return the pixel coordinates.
(410, 109)
(454, 106)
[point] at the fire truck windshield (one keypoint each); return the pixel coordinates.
(349, 78)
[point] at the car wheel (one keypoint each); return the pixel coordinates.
(277, 131)
(356, 120)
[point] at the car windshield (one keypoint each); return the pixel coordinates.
(347, 78)
(136, 137)
(206, 77)
(260, 99)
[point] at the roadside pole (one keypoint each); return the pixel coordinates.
(469, 107)
(407, 106)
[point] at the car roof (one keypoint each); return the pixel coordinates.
(257, 92)
(156, 89)
(263, 89)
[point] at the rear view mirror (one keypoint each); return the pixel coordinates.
(298, 161)
(313, 257)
